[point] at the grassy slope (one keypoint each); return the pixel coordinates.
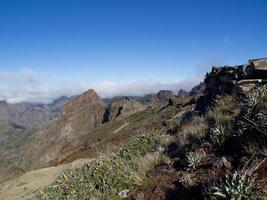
(102, 139)
(219, 155)
(113, 133)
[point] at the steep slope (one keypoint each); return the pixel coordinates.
(80, 115)
(97, 141)
(17, 123)
(220, 148)
(32, 136)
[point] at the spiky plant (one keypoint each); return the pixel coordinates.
(254, 112)
(237, 186)
(255, 96)
(194, 159)
(219, 134)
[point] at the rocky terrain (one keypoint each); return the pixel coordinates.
(207, 143)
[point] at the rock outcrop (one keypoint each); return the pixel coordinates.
(233, 80)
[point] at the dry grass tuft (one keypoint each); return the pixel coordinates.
(196, 128)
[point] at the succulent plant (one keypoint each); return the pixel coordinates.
(194, 159)
(219, 134)
(237, 186)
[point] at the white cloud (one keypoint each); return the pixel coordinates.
(28, 86)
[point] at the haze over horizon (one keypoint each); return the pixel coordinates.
(53, 48)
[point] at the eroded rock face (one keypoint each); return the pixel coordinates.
(123, 107)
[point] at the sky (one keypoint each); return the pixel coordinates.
(50, 48)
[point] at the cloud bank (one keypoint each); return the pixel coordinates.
(28, 86)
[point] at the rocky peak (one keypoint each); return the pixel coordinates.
(182, 93)
(122, 107)
(160, 99)
(165, 95)
(81, 101)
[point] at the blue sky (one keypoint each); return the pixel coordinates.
(123, 42)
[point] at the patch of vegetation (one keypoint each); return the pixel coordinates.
(206, 149)
(233, 128)
(194, 159)
(253, 118)
(107, 177)
(225, 108)
(237, 186)
(188, 180)
(194, 130)
(175, 122)
(145, 114)
(220, 134)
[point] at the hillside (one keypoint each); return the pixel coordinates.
(66, 125)
(209, 143)
(17, 123)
